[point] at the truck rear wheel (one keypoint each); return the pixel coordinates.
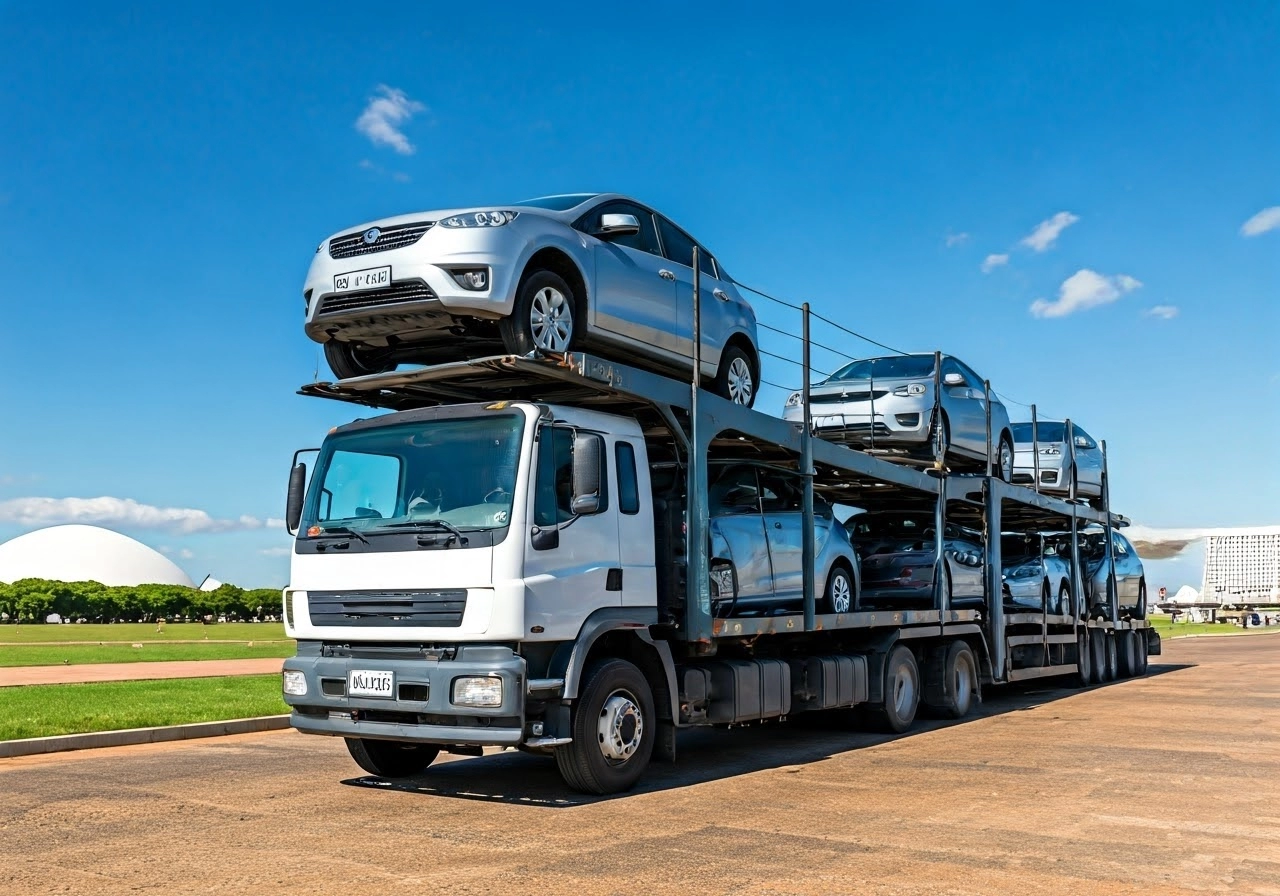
(1140, 653)
(1084, 660)
(389, 758)
(951, 680)
(613, 731)
(901, 692)
(1126, 650)
(1113, 659)
(1097, 656)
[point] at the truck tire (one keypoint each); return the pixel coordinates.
(1113, 659)
(544, 317)
(1140, 653)
(951, 680)
(1097, 656)
(1084, 660)
(614, 726)
(901, 692)
(1126, 655)
(389, 758)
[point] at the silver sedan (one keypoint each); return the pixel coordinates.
(550, 274)
(887, 403)
(1055, 459)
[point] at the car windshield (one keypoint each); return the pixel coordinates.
(557, 203)
(1045, 432)
(900, 367)
(456, 471)
(878, 525)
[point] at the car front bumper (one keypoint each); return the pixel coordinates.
(893, 419)
(421, 709)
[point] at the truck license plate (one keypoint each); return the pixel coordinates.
(371, 684)
(367, 279)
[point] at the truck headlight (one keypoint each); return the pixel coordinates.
(475, 690)
(295, 683)
(480, 219)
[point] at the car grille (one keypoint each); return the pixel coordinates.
(387, 608)
(350, 245)
(831, 429)
(397, 293)
(839, 397)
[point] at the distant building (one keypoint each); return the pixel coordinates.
(76, 553)
(1243, 566)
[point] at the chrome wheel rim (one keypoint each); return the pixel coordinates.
(840, 593)
(741, 385)
(620, 728)
(1006, 462)
(551, 320)
(963, 684)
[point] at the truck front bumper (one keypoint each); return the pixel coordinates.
(420, 708)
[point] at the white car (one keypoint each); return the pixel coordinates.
(553, 274)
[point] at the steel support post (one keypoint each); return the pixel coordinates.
(1035, 450)
(1113, 595)
(941, 599)
(697, 610)
(991, 573)
(807, 546)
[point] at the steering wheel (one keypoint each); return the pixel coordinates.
(497, 496)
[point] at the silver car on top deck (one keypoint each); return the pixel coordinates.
(551, 274)
(1052, 454)
(887, 403)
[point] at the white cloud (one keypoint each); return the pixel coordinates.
(122, 512)
(956, 239)
(1164, 312)
(1047, 232)
(1082, 290)
(185, 554)
(991, 262)
(275, 552)
(381, 119)
(1267, 219)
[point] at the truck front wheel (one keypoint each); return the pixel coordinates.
(389, 758)
(613, 730)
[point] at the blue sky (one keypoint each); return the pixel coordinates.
(165, 177)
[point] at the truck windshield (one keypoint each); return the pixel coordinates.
(459, 472)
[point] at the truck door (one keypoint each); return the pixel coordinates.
(635, 525)
(567, 576)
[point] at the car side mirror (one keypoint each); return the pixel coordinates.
(588, 465)
(953, 379)
(617, 225)
(1082, 442)
(293, 504)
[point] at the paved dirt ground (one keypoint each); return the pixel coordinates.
(11, 676)
(1168, 784)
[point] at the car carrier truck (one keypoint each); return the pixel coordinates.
(517, 555)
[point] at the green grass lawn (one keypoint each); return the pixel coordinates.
(47, 710)
(144, 632)
(117, 652)
(1170, 629)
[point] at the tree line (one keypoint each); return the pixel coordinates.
(32, 600)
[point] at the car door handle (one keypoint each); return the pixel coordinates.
(666, 275)
(777, 525)
(720, 294)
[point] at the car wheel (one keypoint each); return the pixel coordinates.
(614, 727)
(736, 379)
(901, 691)
(941, 437)
(389, 758)
(1003, 468)
(347, 360)
(544, 317)
(952, 680)
(840, 596)
(1098, 502)
(1064, 600)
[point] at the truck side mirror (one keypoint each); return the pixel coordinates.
(297, 490)
(588, 469)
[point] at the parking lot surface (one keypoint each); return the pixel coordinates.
(1166, 784)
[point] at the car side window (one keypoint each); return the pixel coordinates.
(949, 365)
(972, 378)
(1081, 434)
(676, 245)
(1119, 547)
(644, 241)
(734, 492)
(780, 493)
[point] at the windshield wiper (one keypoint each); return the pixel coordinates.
(427, 524)
(340, 531)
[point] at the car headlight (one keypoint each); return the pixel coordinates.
(475, 690)
(295, 683)
(912, 389)
(1052, 450)
(793, 400)
(480, 219)
(724, 581)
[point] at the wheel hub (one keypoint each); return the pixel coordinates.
(741, 386)
(621, 727)
(840, 594)
(550, 320)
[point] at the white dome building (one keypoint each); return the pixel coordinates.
(86, 554)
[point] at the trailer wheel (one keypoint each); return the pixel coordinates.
(1140, 653)
(1097, 656)
(1084, 659)
(389, 758)
(901, 692)
(951, 680)
(1127, 659)
(544, 316)
(614, 726)
(1113, 659)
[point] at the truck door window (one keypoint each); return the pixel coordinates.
(628, 487)
(553, 500)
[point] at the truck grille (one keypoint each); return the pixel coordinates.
(387, 608)
(839, 397)
(397, 293)
(350, 245)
